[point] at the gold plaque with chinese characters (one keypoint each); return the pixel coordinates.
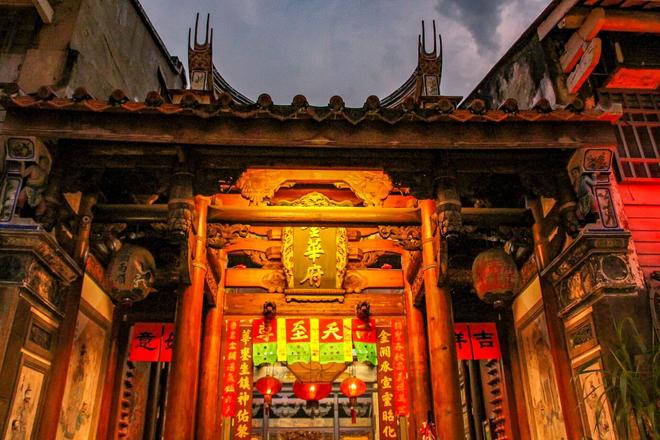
(314, 260)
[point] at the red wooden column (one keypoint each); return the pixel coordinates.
(442, 348)
(184, 373)
(208, 412)
(418, 360)
(562, 363)
(54, 393)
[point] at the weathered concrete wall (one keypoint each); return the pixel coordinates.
(524, 76)
(116, 49)
(46, 64)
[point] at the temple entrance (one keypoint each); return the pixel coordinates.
(291, 418)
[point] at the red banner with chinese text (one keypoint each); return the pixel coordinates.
(385, 376)
(230, 367)
(485, 343)
(152, 342)
(364, 340)
(146, 342)
(264, 341)
(463, 345)
(298, 340)
(400, 366)
(167, 345)
(242, 427)
(477, 340)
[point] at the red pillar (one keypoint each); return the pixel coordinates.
(208, 413)
(419, 371)
(184, 375)
(442, 348)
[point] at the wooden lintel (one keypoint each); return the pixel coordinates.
(274, 215)
(382, 304)
(270, 279)
(255, 133)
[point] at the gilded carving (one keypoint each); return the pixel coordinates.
(314, 199)
(367, 259)
(220, 235)
(342, 256)
(257, 257)
(370, 186)
(408, 237)
(260, 185)
(274, 281)
(354, 282)
(287, 254)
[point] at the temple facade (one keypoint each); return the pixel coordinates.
(198, 264)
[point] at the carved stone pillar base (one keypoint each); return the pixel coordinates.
(34, 275)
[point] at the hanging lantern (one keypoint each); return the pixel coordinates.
(495, 276)
(268, 386)
(131, 274)
(352, 387)
(312, 392)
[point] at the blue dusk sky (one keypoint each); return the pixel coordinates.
(351, 48)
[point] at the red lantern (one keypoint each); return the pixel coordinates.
(495, 276)
(268, 386)
(352, 387)
(312, 392)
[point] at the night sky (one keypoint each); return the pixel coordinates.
(351, 48)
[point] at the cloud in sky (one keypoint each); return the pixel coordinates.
(352, 48)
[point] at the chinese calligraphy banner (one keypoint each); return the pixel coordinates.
(364, 340)
(298, 340)
(242, 427)
(152, 342)
(167, 347)
(476, 341)
(333, 336)
(400, 366)
(385, 377)
(264, 341)
(230, 382)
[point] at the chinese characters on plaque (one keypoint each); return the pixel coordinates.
(387, 422)
(400, 366)
(152, 342)
(476, 341)
(230, 383)
(243, 419)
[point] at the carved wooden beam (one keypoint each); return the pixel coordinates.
(382, 304)
(327, 216)
(273, 280)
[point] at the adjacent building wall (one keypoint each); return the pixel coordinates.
(118, 48)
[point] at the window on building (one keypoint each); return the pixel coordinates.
(18, 28)
(638, 133)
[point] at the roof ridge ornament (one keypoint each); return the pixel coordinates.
(200, 58)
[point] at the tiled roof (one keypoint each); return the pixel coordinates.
(299, 109)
